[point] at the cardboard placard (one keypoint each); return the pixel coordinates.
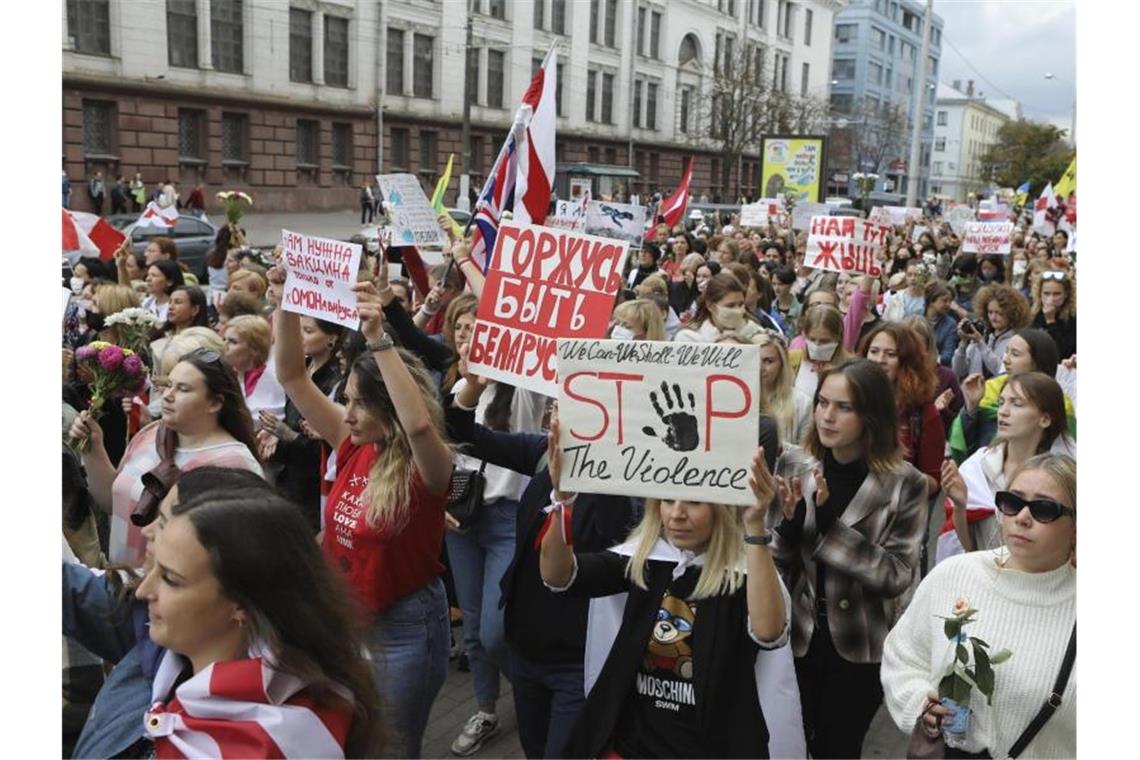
(845, 244)
(987, 237)
(658, 419)
(321, 273)
(619, 221)
(565, 216)
(880, 216)
(958, 217)
(805, 210)
(900, 215)
(543, 284)
(754, 215)
(413, 220)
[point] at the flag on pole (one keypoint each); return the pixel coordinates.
(1041, 208)
(672, 209)
(89, 235)
(536, 148)
(498, 195)
(156, 217)
(437, 196)
(1022, 194)
(1068, 182)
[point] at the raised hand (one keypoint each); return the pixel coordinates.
(944, 399)
(953, 484)
(764, 488)
(973, 388)
(681, 432)
(371, 312)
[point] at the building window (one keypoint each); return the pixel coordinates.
(472, 73)
(558, 92)
(844, 32)
(611, 22)
(558, 16)
(539, 13)
(497, 9)
(875, 73)
(226, 35)
(688, 51)
(234, 131)
(782, 62)
(608, 98)
(300, 45)
(937, 168)
(637, 103)
(683, 126)
(807, 26)
(182, 33)
(842, 102)
(728, 58)
(476, 155)
(756, 12)
(495, 72)
(306, 143)
(89, 26)
(591, 93)
(655, 35)
(191, 134)
(422, 65)
(341, 146)
(641, 31)
(789, 20)
(943, 116)
(651, 105)
(336, 51)
(399, 150)
(594, 20)
(878, 39)
(98, 128)
(843, 69)
(715, 173)
(611, 156)
(804, 80)
(428, 158)
(395, 62)
(592, 155)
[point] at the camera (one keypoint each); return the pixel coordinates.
(977, 325)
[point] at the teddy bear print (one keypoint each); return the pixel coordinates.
(669, 647)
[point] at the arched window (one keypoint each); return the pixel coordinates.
(690, 50)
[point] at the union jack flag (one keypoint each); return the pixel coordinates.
(498, 195)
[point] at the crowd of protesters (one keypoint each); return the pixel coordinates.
(201, 618)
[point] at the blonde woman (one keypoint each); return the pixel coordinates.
(384, 514)
(248, 340)
(704, 600)
(789, 406)
(639, 319)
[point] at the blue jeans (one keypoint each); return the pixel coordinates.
(548, 699)
(478, 559)
(409, 644)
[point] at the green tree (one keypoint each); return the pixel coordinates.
(1027, 150)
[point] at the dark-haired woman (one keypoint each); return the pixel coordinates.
(187, 308)
(162, 277)
(848, 548)
(384, 515)
(204, 409)
(720, 310)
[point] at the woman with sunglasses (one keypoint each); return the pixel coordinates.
(1055, 309)
(1030, 420)
(1025, 596)
(848, 548)
(384, 516)
(204, 409)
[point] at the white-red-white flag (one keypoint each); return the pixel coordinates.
(535, 177)
(89, 235)
(673, 208)
(1041, 207)
(157, 217)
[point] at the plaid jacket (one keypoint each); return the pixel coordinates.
(872, 556)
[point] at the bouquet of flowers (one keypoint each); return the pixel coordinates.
(112, 372)
(963, 675)
(134, 328)
(234, 202)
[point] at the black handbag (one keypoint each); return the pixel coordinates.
(466, 497)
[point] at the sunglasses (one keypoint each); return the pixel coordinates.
(1058, 276)
(1042, 510)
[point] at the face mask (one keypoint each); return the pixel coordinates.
(94, 321)
(729, 318)
(821, 352)
(77, 284)
(1020, 266)
(621, 332)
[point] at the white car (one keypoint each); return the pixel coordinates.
(837, 202)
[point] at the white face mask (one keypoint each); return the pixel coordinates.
(729, 318)
(77, 284)
(621, 332)
(821, 352)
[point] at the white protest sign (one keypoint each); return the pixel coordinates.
(412, 219)
(543, 284)
(958, 217)
(754, 215)
(880, 216)
(620, 221)
(321, 273)
(987, 237)
(805, 210)
(845, 244)
(658, 419)
(900, 215)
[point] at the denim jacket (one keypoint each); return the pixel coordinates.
(91, 617)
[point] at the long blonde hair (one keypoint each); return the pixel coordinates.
(780, 404)
(388, 495)
(723, 570)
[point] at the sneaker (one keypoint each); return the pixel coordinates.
(479, 728)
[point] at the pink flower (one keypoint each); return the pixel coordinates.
(111, 357)
(84, 353)
(133, 365)
(961, 606)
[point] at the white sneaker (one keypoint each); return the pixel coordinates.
(479, 728)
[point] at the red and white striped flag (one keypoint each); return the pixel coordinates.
(160, 218)
(673, 207)
(536, 148)
(1046, 201)
(241, 708)
(89, 235)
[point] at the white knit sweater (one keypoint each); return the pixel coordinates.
(1031, 614)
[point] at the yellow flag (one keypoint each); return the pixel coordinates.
(1068, 182)
(437, 196)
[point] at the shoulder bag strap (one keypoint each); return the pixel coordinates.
(1054, 700)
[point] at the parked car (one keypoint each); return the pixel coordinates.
(193, 236)
(838, 202)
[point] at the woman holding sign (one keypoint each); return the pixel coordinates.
(384, 514)
(849, 548)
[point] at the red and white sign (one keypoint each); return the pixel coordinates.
(543, 284)
(154, 217)
(987, 237)
(321, 273)
(845, 244)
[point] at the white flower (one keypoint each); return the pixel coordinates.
(245, 198)
(133, 317)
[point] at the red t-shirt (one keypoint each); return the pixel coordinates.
(379, 565)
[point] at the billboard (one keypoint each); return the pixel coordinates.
(792, 163)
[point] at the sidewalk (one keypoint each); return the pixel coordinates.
(264, 230)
